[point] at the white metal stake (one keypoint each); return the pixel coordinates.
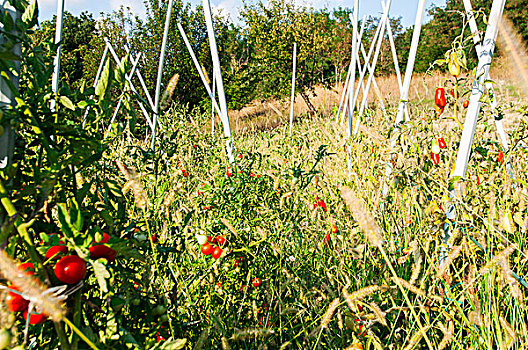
(358, 63)
(374, 62)
(344, 92)
(56, 60)
(371, 71)
(142, 81)
(473, 110)
(213, 109)
(406, 83)
(128, 77)
(353, 77)
(132, 87)
(489, 86)
(292, 100)
(365, 66)
(199, 69)
(160, 72)
(96, 80)
(217, 74)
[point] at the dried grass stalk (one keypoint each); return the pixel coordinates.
(405, 284)
(507, 274)
(135, 184)
(448, 334)
(362, 293)
(250, 333)
(329, 313)
(455, 252)
(225, 344)
(366, 222)
(32, 289)
(509, 330)
(379, 314)
(493, 262)
(415, 340)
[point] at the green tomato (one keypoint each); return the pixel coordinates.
(159, 310)
(163, 318)
(135, 301)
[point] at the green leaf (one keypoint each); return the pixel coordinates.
(8, 22)
(76, 218)
(101, 274)
(82, 104)
(176, 344)
(104, 82)
(30, 15)
(66, 102)
(8, 55)
(64, 220)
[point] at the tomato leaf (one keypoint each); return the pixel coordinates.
(101, 274)
(66, 102)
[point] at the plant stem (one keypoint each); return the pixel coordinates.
(65, 344)
(80, 334)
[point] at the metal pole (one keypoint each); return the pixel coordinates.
(217, 74)
(132, 87)
(406, 83)
(352, 77)
(292, 100)
(56, 60)
(142, 81)
(129, 76)
(489, 86)
(473, 110)
(97, 75)
(199, 69)
(364, 70)
(160, 72)
(374, 62)
(213, 102)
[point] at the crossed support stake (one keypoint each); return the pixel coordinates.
(485, 55)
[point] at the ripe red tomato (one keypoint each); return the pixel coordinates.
(436, 158)
(207, 248)
(322, 204)
(35, 318)
(102, 251)
(210, 239)
(221, 240)
(217, 252)
(55, 251)
(466, 104)
(334, 228)
(452, 92)
(256, 282)
(15, 302)
(28, 268)
(442, 143)
(70, 269)
(500, 158)
(440, 100)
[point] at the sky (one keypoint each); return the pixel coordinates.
(406, 9)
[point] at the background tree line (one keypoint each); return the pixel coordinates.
(256, 53)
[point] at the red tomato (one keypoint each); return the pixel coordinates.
(221, 240)
(70, 269)
(207, 248)
(217, 252)
(500, 158)
(334, 228)
(322, 204)
(55, 252)
(15, 302)
(28, 268)
(452, 92)
(153, 238)
(466, 104)
(240, 156)
(256, 282)
(102, 251)
(436, 158)
(35, 318)
(440, 99)
(228, 172)
(442, 143)
(210, 239)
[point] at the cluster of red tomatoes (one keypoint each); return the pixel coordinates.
(441, 102)
(214, 246)
(437, 146)
(69, 269)
(320, 203)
